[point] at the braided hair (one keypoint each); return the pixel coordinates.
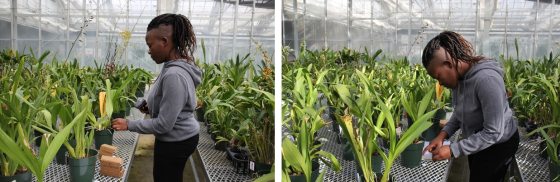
(183, 36)
(457, 46)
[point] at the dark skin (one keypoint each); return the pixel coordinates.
(162, 49)
(447, 73)
(144, 108)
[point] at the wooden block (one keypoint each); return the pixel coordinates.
(105, 153)
(111, 172)
(110, 168)
(108, 149)
(111, 161)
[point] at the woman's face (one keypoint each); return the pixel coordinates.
(443, 70)
(156, 46)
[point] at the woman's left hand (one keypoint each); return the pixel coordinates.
(119, 124)
(441, 153)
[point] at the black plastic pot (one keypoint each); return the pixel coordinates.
(83, 169)
(554, 171)
(348, 154)
(103, 137)
(412, 155)
(440, 114)
(61, 154)
(341, 139)
(376, 165)
(542, 149)
(21, 177)
(317, 142)
(200, 114)
(119, 114)
(231, 151)
(213, 137)
(335, 126)
(529, 127)
(38, 137)
(314, 173)
(299, 178)
(432, 132)
(240, 161)
(259, 168)
(221, 145)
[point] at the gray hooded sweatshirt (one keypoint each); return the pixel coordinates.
(171, 101)
(481, 110)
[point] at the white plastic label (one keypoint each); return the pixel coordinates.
(251, 165)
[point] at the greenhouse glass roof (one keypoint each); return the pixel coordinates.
(402, 27)
(227, 27)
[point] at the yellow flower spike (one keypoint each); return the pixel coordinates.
(53, 92)
(347, 121)
(126, 35)
(266, 72)
(102, 104)
(12, 53)
(439, 91)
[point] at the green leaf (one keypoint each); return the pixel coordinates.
(332, 161)
(21, 156)
(292, 156)
(57, 142)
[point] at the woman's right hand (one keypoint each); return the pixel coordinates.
(436, 142)
(142, 105)
(144, 109)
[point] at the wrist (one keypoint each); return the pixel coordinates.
(130, 125)
(442, 135)
(126, 124)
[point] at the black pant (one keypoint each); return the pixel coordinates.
(491, 164)
(170, 159)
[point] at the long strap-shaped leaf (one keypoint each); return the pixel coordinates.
(57, 142)
(15, 152)
(552, 145)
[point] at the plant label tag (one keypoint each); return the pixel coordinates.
(251, 165)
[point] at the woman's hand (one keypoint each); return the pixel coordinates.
(435, 143)
(144, 109)
(119, 124)
(142, 105)
(441, 153)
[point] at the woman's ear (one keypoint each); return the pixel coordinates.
(165, 40)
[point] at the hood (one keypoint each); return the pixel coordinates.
(482, 65)
(193, 70)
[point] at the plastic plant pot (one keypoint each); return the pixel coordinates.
(83, 169)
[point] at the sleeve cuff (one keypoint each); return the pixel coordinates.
(448, 131)
(132, 125)
(455, 152)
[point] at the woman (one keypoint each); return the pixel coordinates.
(172, 100)
(481, 108)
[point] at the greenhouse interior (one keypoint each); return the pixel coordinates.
(104, 90)
(365, 97)
(369, 90)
